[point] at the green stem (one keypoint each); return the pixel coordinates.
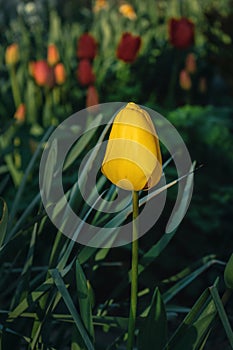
(14, 86)
(134, 275)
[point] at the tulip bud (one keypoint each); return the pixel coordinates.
(133, 160)
(202, 86)
(191, 63)
(86, 47)
(127, 11)
(181, 32)
(20, 113)
(228, 273)
(92, 96)
(12, 54)
(52, 55)
(185, 80)
(128, 47)
(43, 74)
(100, 5)
(85, 74)
(60, 73)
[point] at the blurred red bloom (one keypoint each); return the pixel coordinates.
(43, 73)
(85, 74)
(128, 47)
(87, 47)
(181, 32)
(60, 73)
(92, 96)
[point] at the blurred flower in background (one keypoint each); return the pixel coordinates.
(87, 47)
(43, 73)
(12, 54)
(128, 47)
(127, 10)
(181, 32)
(85, 74)
(60, 73)
(191, 63)
(185, 80)
(20, 113)
(53, 56)
(100, 5)
(92, 96)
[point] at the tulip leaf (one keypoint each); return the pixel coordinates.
(81, 144)
(196, 326)
(3, 222)
(178, 215)
(84, 300)
(72, 309)
(222, 314)
(154, 328)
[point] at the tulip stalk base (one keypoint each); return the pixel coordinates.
(134, 275)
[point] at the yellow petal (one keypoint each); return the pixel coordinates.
(133, 159)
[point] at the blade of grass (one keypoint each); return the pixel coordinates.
(174, 290)
(195, 325)
(70, 305)
(84, 300)
(36, 294)
(23, 285)
(3, 222)
(25, 177)
(222, 314)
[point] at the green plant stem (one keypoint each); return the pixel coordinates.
(134, 275)
(14, 86)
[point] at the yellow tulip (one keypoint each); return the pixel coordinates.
(133, 159)
(12, 54)
(128, 11)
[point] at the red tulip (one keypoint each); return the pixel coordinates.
(181, 32)
(128, 47)
(87, 47)
(43, 74)
(85, 74)
(92, 96)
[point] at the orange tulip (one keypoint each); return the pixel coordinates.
(60, 73)
(185, 80)
(100, 5)
(43, 74)
(191, 63)
(20, 113)
(52, 55)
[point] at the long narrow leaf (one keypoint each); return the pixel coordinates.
(70, 305)
(154, 327)
(222, 314)
(3, 222)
